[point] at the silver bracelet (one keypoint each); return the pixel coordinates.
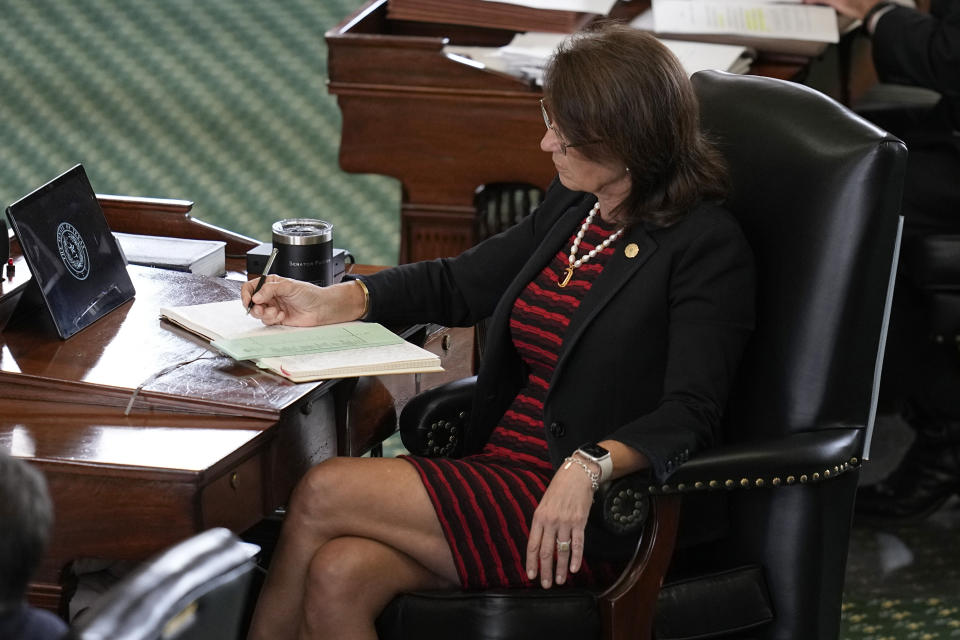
(593, 475)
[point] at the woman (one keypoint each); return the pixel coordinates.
(619, 310)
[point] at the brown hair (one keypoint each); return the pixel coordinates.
(26, 515)
(621, 86)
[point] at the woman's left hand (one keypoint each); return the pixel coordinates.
(560, 517)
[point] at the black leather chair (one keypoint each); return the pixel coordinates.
(498, 206)
(196, 590)
(931, 260)
(935, 262)
(766, 517)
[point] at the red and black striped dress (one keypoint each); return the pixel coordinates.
(485, 502)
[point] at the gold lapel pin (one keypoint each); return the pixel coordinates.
(631, 250)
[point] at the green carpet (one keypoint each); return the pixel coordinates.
(222, 102)
(902, 580)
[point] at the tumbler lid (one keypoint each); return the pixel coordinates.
(300, 231)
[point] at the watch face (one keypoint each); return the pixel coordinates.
(594, 451)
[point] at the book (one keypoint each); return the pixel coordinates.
(303, 354)
(203, 257)
(786, 29)
(815, 23)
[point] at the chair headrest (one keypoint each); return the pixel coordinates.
(817, 191)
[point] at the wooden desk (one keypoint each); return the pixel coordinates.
(440, 126)
(210, 442)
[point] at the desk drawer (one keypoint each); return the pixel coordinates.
(455, 348)
(235, 499)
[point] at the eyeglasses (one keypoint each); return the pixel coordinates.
(563, 144)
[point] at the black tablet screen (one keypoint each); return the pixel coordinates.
(70, 251)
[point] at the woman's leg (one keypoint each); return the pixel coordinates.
(349, 582)
(381, 499)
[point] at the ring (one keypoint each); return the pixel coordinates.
(563, 545)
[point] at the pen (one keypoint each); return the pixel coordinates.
(263, 278)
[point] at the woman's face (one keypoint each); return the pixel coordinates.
(577, 173)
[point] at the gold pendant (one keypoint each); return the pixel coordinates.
(566, 278)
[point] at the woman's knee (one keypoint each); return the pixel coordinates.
(339, 575)
(315, 495)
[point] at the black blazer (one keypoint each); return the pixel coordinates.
(649, 355)
(910, 47)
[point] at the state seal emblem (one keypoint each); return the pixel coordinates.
(73, 251)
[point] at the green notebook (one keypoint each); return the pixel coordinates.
(304, 353)
(337, 337)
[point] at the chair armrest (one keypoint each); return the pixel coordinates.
(934, 268)
(934, 262)
(433, 424)
(623, 505)
(807, 456)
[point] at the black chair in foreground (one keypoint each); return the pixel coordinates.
(766, 516)
(195, 590)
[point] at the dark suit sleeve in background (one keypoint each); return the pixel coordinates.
(910, 47)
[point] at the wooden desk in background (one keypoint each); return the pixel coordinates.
(210, 442)
(440, 126)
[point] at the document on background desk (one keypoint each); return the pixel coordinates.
(789, 21)
(527, 53)
(698, 56)
(303, 353)
(204, 257)
(601, 7)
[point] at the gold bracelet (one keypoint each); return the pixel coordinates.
(593, 475)
(366, 298)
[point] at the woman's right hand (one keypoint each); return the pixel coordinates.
(301, 304)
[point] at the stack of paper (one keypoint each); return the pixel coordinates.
(527, 54)
(788, 27)
(523, 58)
(698, 56)
(303, 353)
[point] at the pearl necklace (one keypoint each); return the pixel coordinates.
(572, 261)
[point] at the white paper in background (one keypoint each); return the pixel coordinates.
(534, 44)
(697, 56)
(601, 7)
(787, 21)
(644, 20)
(766, 1)
(492, 59)
(527, 54)
(524, 57)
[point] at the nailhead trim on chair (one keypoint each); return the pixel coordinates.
(443, 435)
(626, 510)
(746, 483)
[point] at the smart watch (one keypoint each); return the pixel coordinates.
(595, 453)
